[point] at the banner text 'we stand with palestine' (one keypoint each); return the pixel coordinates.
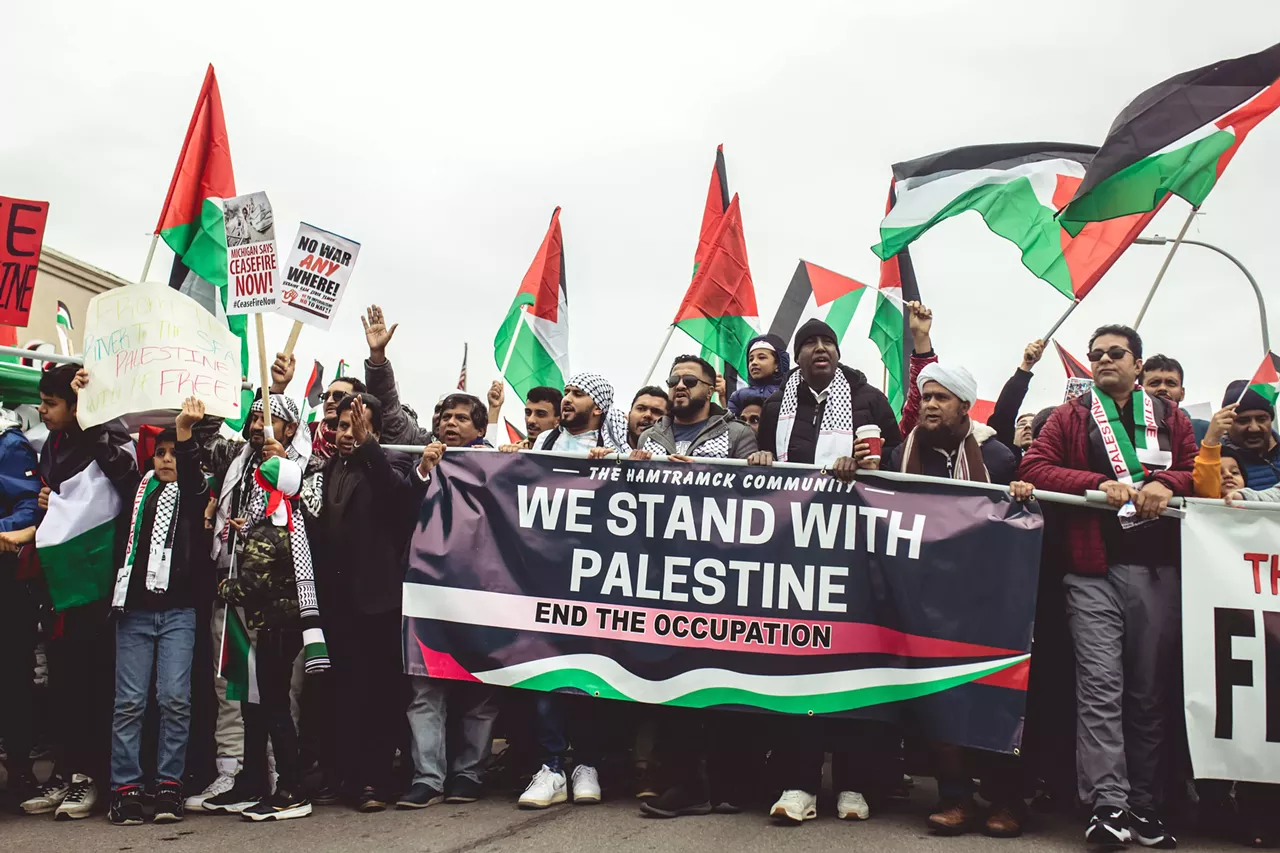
(704, 585)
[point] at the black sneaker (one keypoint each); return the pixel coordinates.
(169, 802)
(279, 806)
(126, 806)
(368, 801)
(419, 796)
(1150, 831)
(1108, 827)
(676, 801)
(464, 790)
(235, 801)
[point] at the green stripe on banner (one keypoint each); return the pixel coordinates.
(81, 570)
(841, 312)
(826, 703)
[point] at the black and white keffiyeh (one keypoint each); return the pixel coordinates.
(160, 547)
(613, 423)
(712, 448)
(835, 434)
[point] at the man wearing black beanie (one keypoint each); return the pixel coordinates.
(1253, 435)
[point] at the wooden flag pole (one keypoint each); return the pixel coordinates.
(151, 253)
(264, 373)
(1163, 267)
(293, 337)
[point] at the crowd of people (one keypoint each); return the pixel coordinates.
(303, 529)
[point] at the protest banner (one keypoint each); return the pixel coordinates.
(704, 585)
(316, 276)
(1231, 641)
(23, 225)
(148, 347)
(252, 268)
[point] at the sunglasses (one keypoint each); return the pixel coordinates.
(1114, 353)
(335, 396)
(688, 380)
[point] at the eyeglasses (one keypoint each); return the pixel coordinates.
(688, 380)
(335, 396)
(1113, 353)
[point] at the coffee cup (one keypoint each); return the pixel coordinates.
(870, 433)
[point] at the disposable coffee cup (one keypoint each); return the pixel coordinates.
(870, 433)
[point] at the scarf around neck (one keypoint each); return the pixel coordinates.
(164, 528)
(1130, 460)
(968, 464)
(835, 435)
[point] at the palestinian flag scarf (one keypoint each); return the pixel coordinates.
(164, 528)
(1130, 460)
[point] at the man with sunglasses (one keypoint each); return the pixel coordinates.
(695, 426)
(1120, 579)
(324, 433)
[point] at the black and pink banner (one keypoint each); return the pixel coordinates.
(705, 585)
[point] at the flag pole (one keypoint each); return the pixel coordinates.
(1165, 266)
(671, 330)
(265, 375)
(293, 337)
(151, 253)
(1048, 336)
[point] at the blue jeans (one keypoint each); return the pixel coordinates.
(163, 640)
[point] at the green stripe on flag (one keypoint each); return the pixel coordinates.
(81, 570)
(236, 651)
(886, 334)
(725, 336)
(202, 245)
(528, 364)
(841, 312)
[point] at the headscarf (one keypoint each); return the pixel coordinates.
(953, 377)
(613, 421)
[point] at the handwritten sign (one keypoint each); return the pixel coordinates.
(252, 268)
(147, 347)
(315, 277)
(22, 227)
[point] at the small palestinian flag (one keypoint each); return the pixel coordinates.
(532, 344)
(238, 660)
(1265, 380)
(719, 309)
(1018, 189)
(897, 279)
(1176, 138)
(342, 368)
(64, 327)
(514, 435)
(1079, 376)
(315, 387)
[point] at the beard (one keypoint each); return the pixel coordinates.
(576, 421)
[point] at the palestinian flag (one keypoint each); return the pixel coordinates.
(237, 661)
(1265, 380)
(532, 345)
(719, 310)
(514, 435)
(1176, 138)
(191, 220)
(889, 325)
(1076, 369)
(1017, 188)
(315, 387)
(712, 213)
(342, 368)
(64, 327)
(76, 540)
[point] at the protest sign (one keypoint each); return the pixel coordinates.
(252, 267)
(316, 275)
(704, 585)
(148, 347)
(22, 223)
(1231, 641)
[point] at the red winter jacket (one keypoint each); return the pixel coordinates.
(1058, 461)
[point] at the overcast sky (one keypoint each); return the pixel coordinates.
(441, 136)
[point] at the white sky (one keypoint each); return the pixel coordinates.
(441, 136)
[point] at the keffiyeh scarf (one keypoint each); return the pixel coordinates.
(835, 435)
(613, 423)
(160, 549)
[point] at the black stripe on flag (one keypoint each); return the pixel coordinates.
(792, 305)
(996, 156)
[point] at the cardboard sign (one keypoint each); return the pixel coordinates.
(315, 277)
(22, 227)
(252, 268)
(148, 347)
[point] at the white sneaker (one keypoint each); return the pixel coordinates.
(47, 797)
(795, 807)
(586, 785)
(227, 770)
(81, 797)
(852, 806)
(547, 788)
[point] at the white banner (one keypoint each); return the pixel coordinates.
(1231, 641)
(148, 347)
(252, 286)
(315, 277)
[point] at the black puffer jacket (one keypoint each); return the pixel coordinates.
(869, 404)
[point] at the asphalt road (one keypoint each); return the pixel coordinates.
(496, 826)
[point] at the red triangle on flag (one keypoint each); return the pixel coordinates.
(1074, 367)
(829, 286)
(722, 286)
(204, 166)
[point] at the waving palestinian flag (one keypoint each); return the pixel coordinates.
(532, 345)
(712, 213)
(1176, 138)
(1017, 188)
(1266, 380)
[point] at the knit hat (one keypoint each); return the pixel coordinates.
(1252, 401)
(812, 329)
(954, 378)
